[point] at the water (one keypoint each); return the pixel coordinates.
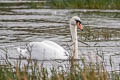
(22, 24)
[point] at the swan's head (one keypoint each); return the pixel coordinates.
(76, 21)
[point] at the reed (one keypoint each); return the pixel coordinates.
(89, 4)
(33, 71)
(63, 4)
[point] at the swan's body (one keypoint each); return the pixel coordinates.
(44, 50)
(51, 50)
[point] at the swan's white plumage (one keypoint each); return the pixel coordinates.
(44, 50)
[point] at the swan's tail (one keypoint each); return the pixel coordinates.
(22, 52)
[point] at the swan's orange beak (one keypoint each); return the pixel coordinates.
(80, 26)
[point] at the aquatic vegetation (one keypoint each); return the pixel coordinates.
(79, 70)
(90, 4)
(99, 34)
(83, 4)
(29, 4)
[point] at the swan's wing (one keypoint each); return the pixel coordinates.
(56, 46)
(59, 48)
(47, 50)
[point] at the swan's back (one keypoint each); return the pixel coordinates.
(47, 50)
(54, 45)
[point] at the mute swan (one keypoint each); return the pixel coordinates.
(51, 50)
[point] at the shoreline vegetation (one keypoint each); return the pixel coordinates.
(67, 4)
(33, 71)
(85, 4)
(74, 69)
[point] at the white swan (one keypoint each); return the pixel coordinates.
(51, 50)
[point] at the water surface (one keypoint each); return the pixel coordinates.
(21, 24)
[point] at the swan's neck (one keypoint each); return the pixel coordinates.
(73, 30)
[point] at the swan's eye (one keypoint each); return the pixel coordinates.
(78, 21)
